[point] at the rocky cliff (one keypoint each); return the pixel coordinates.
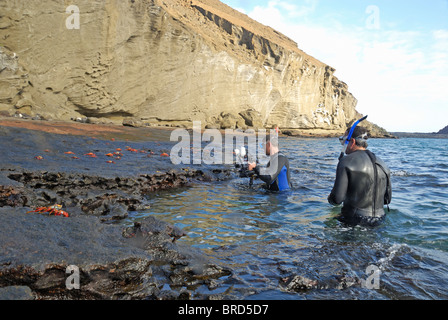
(165, 62)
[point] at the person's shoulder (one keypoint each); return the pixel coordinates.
(282, 156)
(344, 160)
(354, 158)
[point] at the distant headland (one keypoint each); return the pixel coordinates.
(442, 134)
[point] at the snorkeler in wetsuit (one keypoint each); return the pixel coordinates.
(363, 187)
(276, 174)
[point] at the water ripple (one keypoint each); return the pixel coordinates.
(265, 238)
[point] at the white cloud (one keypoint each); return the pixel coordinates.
(394, 74)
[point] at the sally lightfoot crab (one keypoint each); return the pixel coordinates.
(53, 210)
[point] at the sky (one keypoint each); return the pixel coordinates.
(393, 54)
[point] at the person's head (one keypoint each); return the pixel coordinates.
(358, 140)
(271, 145)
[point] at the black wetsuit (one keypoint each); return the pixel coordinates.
(363, 195)
(276, 174)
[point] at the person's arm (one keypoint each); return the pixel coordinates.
(337, 195)
(388, 193)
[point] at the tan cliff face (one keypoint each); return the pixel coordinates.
(165, 62)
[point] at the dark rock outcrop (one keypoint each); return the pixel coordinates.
(443, 131)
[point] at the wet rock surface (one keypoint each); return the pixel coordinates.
(115, 261)
(37, 250)
(92, 195)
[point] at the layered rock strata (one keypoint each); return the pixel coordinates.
(162, 62)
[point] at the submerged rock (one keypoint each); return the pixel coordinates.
(143, 234)
(301, 283)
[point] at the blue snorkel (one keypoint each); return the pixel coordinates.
(349, 137)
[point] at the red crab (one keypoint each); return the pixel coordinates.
(91, 154)
(53, 210)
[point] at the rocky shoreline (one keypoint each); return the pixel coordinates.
(115, 261)
(117, 256)
(247, 122)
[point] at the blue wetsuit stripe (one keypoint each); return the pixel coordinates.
(282, 179)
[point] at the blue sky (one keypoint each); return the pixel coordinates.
(392, 54)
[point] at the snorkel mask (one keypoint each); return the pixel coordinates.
(346, 139)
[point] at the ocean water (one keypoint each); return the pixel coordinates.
(267, 238)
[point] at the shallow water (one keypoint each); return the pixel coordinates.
(266, 238)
